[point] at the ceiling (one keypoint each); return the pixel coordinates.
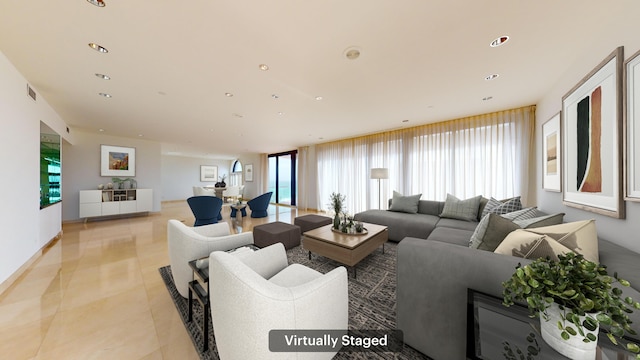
(171, 63)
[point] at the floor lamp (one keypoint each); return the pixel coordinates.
(379, 173)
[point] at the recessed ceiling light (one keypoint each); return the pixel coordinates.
(140, 135)
(101, 130)
(98, 48)
(499, 41)
(318, 98)
(487, 98)
(491, 77)
(98, 3)
(228, 94)
(103, 76)
(105, 95)
(275, 96)
(405, 121)
(352, 53)
(263, 67)
(280, 113)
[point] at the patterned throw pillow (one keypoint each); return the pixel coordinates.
(502, 206)
(579, 236)
(526, 213)
(455, 208)
(528, 245)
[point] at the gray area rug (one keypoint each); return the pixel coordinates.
(372, 300)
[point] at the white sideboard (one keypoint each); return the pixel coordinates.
(115, 202)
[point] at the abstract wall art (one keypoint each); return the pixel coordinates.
(592, 140)
(551, 159)
(632, 127)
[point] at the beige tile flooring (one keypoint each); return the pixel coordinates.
(97, 294)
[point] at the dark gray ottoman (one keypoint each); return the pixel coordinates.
(271, 233)
(310, 222)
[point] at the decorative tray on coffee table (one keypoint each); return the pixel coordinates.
(364, 232)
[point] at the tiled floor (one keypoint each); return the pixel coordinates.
(97, 293)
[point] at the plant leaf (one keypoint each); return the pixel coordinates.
(634, 348)
(604, 319)
(572, 331)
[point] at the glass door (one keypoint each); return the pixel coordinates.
(282, 177)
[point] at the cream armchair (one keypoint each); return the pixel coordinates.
(202, 191)
(190, 243)
(232, 192)
(254, 292)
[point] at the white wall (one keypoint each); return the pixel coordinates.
(622, 31)
(180, 174)
(25, 228)
(81, 168)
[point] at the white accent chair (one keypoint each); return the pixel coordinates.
(189, 243)
(202, 191)
(256, 292)
(232, 192)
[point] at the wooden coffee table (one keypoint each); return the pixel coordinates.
(348, 249)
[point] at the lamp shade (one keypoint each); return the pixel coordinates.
(379, 173)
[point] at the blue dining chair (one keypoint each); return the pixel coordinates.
(260, 205)
(206, 209)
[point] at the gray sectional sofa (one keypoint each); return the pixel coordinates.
(436, 267)
(425, 224)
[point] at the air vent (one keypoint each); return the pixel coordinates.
(31, 92)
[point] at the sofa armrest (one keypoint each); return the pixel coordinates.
(433, 278)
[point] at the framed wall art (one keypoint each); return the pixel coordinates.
(551, 155)
(632, 128)
(117, 161)
(592, 140)
(208, 173)
(248, 172)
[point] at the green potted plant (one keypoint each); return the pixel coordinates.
(336, 202)
(583, 294)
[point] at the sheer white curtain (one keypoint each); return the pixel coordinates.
(485, 155)
(303, 178)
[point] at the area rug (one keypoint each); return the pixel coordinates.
(372, 300)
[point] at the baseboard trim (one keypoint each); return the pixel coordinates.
(7, 284)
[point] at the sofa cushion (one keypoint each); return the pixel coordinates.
(457, 224)
(400, 225)
(407, 204)
(455, 208)
(528, 245)
(430, 207)
(450, 235)
(491, 231)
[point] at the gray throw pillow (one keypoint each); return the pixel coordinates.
(455, 208)
(407, 204)
(491, 231)
(547, 220)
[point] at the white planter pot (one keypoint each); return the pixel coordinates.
(574, 348)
